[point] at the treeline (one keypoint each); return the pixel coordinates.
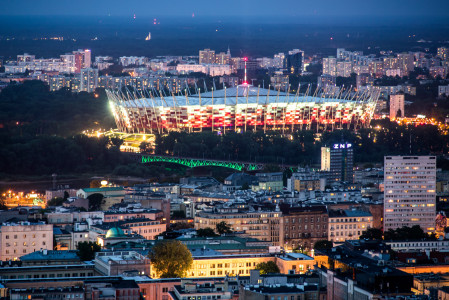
(249, 146)
(30, 108)
(39, 155)
(303, 147)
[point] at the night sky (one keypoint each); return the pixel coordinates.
(230, 8)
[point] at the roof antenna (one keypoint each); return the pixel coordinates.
(245, 59)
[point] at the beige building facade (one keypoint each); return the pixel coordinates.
(18, 239)
(263, 225)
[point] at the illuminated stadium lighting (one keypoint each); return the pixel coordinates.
(242, 108)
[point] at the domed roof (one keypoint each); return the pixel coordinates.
(115, 232)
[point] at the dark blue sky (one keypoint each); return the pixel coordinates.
(228, 8)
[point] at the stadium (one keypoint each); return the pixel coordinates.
(241, 108)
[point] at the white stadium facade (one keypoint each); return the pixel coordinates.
(241, 108)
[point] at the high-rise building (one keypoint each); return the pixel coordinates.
(278, 60)
(223, 58)
(295, 62)
(409, 194)
(87, 58)
(342, 162)
(88, 80)
(344, 69)
(406, 62)
(207, 56)
(397, 106)
(330, 66)
(443, 53)
(325, 159)
(83, 59)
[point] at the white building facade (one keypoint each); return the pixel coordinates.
(409, 195)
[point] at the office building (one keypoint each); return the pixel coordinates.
(295, 62)
(342, 162)
(397, 106)
(409, 195)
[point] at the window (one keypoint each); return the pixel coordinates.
(7, 237)
(165, 290)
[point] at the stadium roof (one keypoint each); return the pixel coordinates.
(243, 94)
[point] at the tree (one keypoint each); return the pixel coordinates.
(95, 184)
(95, 201)
(245, 186)
(3, 204)
(267, 267)
(171, 259)
(206, 232)
(407, 233)
(223, 227)
(323, 245)
(87, 250)
(66, 195)
(116, 141)
(371, 234)
(180, 214)
(56, 201)
(145, 147)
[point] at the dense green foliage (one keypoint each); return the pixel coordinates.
(41, 155)
(407, 233)
(95, 201)
(170, 259)
(87, 250)
(267, 267)
(371, 234)
(323, 245)
(31, 108)
(223, 227)
(34, 121)
(206, 232)
(57, 201)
